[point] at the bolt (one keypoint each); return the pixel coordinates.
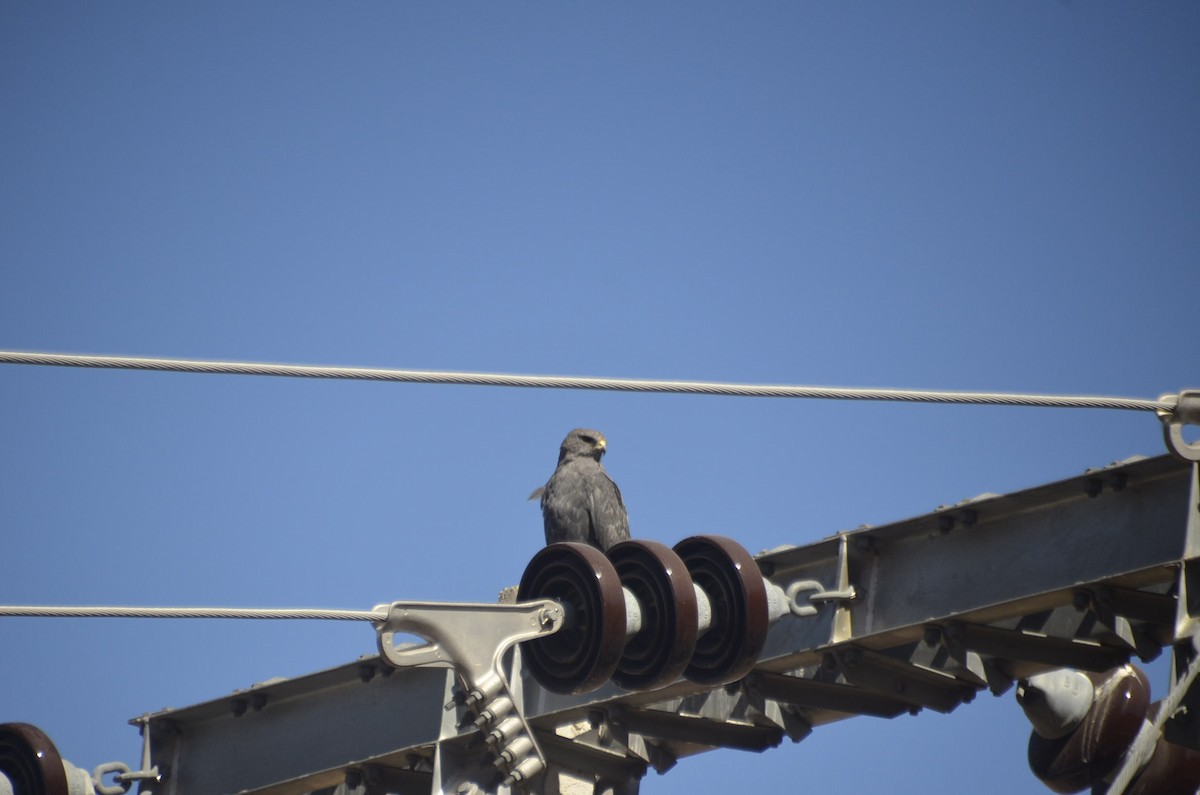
(258, 701)
(945, 523)
(366, 672)
(1082, 600)
(497, 709)
(1120, 481)
(508, 728)
(1094, 486)
(933, 635)
(238, 705)
(457, 699)
(970, 518)
(354, 779)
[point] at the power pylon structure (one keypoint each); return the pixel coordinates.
(602, 667)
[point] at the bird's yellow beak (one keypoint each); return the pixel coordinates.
(602, 444)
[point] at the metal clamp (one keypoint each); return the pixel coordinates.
(468, 637)
(1185, 411)
(472, 639)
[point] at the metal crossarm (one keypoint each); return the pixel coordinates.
(1084, 572)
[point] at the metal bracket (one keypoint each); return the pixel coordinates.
(1185, 411)
(472, 639)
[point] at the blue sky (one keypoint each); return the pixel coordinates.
(977, 196)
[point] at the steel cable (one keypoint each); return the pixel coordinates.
(192, 612)
(571, 382)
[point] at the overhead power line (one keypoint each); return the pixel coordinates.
(571, 382)
(192, 612)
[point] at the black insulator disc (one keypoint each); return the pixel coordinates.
(30, 761)
(731, 579)
(657, 654)
(583, 654)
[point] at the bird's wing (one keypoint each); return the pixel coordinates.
(565, 506)
(610, 522)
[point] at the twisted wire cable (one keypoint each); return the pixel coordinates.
(572, 382)
(192, 612)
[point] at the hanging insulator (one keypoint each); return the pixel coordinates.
(1091, 745)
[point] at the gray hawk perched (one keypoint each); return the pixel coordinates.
(580, 502)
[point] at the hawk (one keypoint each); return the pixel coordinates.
(580, 502)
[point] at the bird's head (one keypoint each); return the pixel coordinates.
(583, 443)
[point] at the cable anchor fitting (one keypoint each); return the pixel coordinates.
(1184, 410)
(799, 606)
(124, 777)
(472, 639)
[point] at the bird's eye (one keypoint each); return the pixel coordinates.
(588, 439)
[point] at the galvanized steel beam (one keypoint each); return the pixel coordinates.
(918, 613)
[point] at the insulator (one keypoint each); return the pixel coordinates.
(30, 762)
(657, 582)
(1056, 702)
(652, 614)
(737, 594)
(584, 653)
(1093, 748)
